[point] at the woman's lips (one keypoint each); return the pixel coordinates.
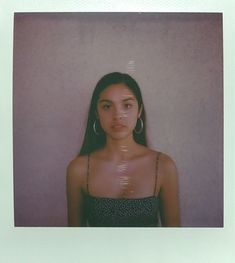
(118, 126)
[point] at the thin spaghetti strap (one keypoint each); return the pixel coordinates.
(156, 172)
(87, 176)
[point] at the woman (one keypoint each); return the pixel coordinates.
(117, 180)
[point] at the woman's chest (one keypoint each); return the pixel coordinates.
(122, 179)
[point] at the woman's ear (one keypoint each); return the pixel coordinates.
(140, 110)
(96, 115)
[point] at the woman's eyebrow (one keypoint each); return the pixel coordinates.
(130, 98)
(104, 100)
(110, 101)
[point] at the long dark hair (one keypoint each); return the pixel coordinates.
(92, 141)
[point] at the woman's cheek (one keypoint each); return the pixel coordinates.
(105, 121)
(132, 121)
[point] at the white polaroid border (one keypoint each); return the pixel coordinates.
(114, 245)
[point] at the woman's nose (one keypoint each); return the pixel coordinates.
(119, 113)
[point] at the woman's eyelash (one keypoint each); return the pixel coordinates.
(128, 105)
(106, 106)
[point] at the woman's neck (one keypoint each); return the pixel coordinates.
(120, 149)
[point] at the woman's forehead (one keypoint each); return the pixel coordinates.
(117, 92)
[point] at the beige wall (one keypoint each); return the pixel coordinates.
(176, 59)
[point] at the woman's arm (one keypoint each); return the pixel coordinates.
(75, 202)
(169, 193)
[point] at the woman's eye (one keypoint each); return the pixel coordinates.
(128, 106)
(106, 106)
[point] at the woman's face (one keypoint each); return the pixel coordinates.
(118, 111)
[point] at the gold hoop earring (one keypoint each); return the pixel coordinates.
(94, 128)
(141, 126)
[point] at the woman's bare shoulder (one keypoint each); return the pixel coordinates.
(77, 168)
(167, 167)
(166, 160)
